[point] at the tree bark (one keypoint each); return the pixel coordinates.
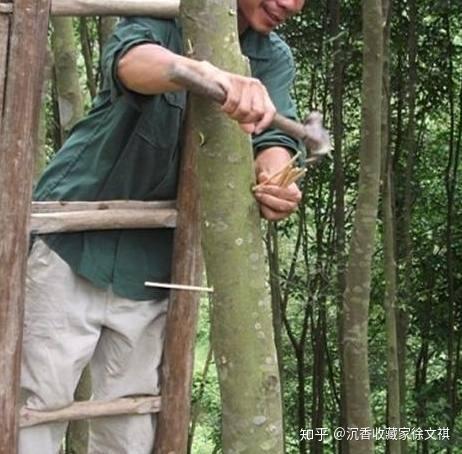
(242, 332)
(358, 278)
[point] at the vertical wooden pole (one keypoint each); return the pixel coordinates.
(22, 84)
(173, 420)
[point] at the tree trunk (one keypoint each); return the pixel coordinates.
(106, 25)
(389, 247)
(405, 251)
(66, 73)
(272, 245)
(77, 432)
(423, 358)
(358, 278)
(242, 331)
(318, 377)
(70, 106)
(450, 186)
(87, 55)
(339, 214)
(41, 157)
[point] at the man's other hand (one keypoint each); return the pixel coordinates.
(276, 202)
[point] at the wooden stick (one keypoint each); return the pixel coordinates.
(91, 409)
(272, 177)
(75, 221)
(156, 8)
(296, 175)
(192, 288)
(63, 206)
(285, 177)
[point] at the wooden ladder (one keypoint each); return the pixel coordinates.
(23, 40)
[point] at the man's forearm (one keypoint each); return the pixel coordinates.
(146, 69)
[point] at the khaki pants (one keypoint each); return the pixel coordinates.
(69, 323)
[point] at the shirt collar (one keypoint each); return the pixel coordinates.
(255, 45)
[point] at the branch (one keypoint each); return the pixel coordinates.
(91, 409)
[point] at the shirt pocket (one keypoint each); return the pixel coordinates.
(158, 136)
(161, 118)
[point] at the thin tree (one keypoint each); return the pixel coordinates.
(409, 146)
(70, 103)
(242, 331)
(339, 182)
(389, 247)
(66, 74)
(450, 178)
(358, 277)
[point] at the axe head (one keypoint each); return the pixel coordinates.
(316, 138)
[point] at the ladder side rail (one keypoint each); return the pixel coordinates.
(178, 361)
(27, 40)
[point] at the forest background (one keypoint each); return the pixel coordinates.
(414, 313)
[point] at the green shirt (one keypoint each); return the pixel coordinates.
(127, 148)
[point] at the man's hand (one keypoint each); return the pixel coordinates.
(247, 100)
(276, 202)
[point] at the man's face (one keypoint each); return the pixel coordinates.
(264, 15)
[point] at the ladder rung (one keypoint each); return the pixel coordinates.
(73, 221)
(91, 409)
(63, 206)
(156, 8)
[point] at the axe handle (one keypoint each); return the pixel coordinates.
(197, 85)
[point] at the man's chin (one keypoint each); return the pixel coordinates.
(262, 28)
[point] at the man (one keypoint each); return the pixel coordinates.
(86, 300)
